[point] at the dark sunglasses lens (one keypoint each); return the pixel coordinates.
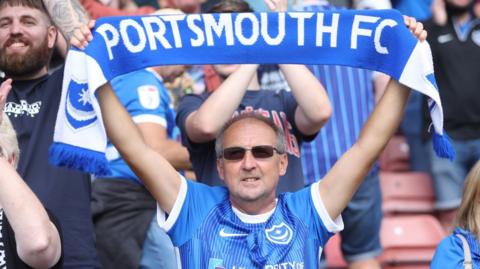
(262, 152)
(235, 153)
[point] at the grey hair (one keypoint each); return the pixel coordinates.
(279, 145)
(8, 140)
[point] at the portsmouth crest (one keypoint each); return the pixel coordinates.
(78, 108)
(280, 234)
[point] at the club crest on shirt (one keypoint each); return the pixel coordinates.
(280, 234)
(149, 96)
(78, 108)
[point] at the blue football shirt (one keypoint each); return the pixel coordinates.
(144, 96)
(209, 233)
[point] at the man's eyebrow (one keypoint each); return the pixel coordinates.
(27, 16)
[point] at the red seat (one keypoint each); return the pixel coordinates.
(407, 192)
(333, 253)
(396, 155)
(407, 266)
(409, 240)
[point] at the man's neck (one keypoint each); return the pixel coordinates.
(42, 72)
(254, 208)
(463, 18)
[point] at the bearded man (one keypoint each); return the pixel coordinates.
(27, 38)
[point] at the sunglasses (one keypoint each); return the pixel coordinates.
(259, 152)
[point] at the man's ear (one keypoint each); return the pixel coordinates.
(220, 168)
(11, 160)
(282, 164)
(52, 36)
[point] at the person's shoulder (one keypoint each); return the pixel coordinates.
(139, 77)
(187, 102)
(449, 253)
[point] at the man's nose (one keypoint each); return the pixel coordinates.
(15, 28)
(249, 162)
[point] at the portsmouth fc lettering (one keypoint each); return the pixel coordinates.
(163, 32)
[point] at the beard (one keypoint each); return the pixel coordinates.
(455, 10)
(26, 64)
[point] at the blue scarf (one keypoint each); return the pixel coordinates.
(376, 40)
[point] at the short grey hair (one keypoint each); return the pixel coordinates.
(279, 145)
(8, 140)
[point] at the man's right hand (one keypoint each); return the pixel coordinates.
(5, 88)
(82, 35)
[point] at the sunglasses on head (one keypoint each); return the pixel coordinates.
(259, 152)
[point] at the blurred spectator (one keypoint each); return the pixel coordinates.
(456, 55)
(110, 8)
(121, 206)
(454, 251)
(348, 88)
(412, 123)
(187, 6)
(419, 9)
(27, 39)
(29, 236)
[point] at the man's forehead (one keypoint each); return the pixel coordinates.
(250, 128)
(7, 10)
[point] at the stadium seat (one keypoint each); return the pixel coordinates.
(409, 240)
(333, 253)
(396, 155)
(407, 192)
(409, 266)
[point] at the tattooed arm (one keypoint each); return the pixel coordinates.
(67, 15)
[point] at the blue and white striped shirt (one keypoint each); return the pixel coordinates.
(352, 96)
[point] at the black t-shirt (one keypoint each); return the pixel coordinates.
(8, 248)
(32, 107)
(456, 59)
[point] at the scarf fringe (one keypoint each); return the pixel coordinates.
(443, 146)
(69, 156)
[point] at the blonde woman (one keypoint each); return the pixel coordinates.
(462, 249)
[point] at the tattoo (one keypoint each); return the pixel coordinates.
(67, 15)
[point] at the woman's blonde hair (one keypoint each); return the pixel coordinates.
(468, 215)
(8, 140)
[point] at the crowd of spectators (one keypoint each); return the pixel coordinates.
(90, 221)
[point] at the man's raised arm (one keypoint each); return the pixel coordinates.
(67, 15)
(342, 181)
(160, 178)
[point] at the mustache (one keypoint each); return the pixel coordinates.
(16, 39)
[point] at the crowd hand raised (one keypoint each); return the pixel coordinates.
(82, 35)
(415, 27)
(277, 5)
(439, 14)
(5, 88)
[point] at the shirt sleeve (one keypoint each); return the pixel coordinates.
(308, 206)
(194, 202)
(144, 97)
(449, 254)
